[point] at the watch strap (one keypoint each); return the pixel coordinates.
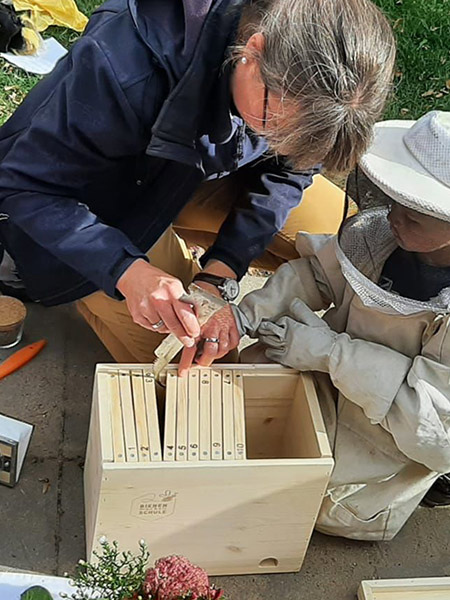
(210, 278)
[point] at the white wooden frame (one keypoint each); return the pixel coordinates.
(427, 588)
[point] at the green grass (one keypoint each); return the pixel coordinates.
(14, 86)
(16, 83)
(422, 82)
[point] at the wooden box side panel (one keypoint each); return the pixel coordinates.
(92, 471)
(305, 433)
(310, 393)
(430, 588)
(233, 519)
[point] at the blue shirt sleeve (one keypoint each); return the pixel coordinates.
(272, 191)
(78, 131)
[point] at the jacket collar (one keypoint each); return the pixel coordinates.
(199, 97)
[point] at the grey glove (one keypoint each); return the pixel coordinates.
(302, 340)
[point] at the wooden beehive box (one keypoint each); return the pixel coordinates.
(229, 516)
(428, 588)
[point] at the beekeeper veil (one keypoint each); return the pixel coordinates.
(408, 163)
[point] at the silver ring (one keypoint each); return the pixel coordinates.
(157, 325)
(212, 340)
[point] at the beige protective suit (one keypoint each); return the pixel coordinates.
(386, 396)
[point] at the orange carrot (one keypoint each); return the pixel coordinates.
(20, 358)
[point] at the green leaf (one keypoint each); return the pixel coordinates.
(36, 593)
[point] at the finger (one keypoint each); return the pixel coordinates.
(186, 316)
(144, 309)
(209, 354)
(274, 333)
(163, 329)
(222, 347)
(142, 314)
(213, 350)
(174, 325)
(146, 324)
(270, 341)
(274, 355)
(269, 328)
(148, 319)
(186, 360)
(234, 339)
(301, 312)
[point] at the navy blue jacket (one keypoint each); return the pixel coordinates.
(105, 151)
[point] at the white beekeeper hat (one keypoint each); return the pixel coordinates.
(410, 162)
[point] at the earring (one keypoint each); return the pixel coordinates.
(244, 60)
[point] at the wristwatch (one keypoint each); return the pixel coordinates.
(228, 288)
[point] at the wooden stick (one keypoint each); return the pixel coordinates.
(193, 415)
(137, 387)
(182, 416)
(170, 417)
(116, 417)
(216, 415)
(205, 414)
(152, 416)
(128, 416)
(228, 414)
(240, 450)
(105, 416)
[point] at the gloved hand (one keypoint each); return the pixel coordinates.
(302, 340)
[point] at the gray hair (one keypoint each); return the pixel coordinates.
(333, 60)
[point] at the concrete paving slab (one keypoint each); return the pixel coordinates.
(421, 549)
(83, 352)
(45, 532)
(38, 531)
(34, 394)
(70, 542)
(29, 517)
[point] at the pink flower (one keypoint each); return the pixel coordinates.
(175, 578)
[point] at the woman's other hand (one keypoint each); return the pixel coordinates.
(219, 336)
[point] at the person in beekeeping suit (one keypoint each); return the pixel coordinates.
(381, 352)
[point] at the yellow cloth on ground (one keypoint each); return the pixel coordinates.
(33, 39)
(44, 13)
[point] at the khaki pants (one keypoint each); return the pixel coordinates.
(321, 211)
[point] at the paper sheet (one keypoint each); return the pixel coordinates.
(13, 584)
(41, 63)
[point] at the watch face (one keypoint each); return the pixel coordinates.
(231, 289)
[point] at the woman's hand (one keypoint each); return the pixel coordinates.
(153, 299)
(221, 327)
